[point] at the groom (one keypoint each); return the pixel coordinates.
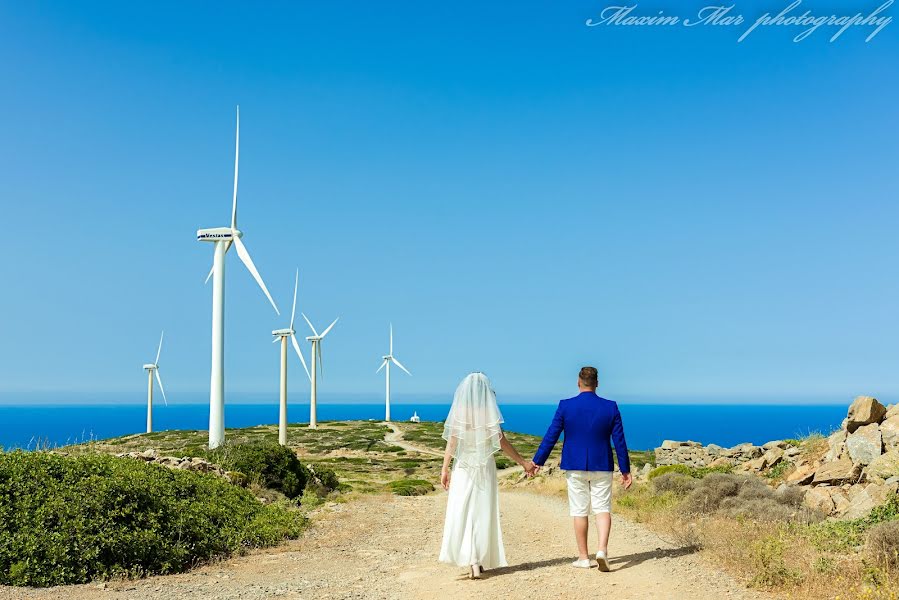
(588, 422)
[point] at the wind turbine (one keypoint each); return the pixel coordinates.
(282, 335)
(316, 340)
(223, 238)
(153, 369)
(387, 360)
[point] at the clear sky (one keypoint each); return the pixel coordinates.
(518, 193)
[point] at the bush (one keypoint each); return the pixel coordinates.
(410, 487)
(267, 464)
(770, 567)
(745, 496)
(883, 543)
(682, 469)
(69, 520)
(676, 483)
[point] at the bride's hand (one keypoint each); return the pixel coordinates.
(445, 478)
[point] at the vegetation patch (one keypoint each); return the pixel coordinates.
(267, 464)
(72, 519)
(411, 487)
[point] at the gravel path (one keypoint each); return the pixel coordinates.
(385, 547)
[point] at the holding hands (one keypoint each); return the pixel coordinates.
(530, 468)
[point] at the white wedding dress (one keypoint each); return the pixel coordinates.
(471, 532)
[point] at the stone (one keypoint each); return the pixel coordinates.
(721, 461)
(892, 411)
(837, 472)
(792, 452)
(776, 444)
(713, 449)
(756, 464)
(772, 457)
(802, 475)
(673, 445)
(864, 410)
(863, 501)
(889, 430)
(884, 466)
(841, 502)
(836, 443)
(865, 444)
(892, 480)
(819, 499)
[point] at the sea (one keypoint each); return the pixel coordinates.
(43, 425)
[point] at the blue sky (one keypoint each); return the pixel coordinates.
(518, 193)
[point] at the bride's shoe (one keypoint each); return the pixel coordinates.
(475, 571)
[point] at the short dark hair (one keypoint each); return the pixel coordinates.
(589, 377)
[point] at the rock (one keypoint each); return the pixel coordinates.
(864, 411)
(721, 461)
(776, 444)
(892, 480)
(892, 411)
(713, 449)
(889, 430)
(841, 502)
(756, 464)
(865, 444)
(792, 452)
(837, 445)
(673, 445)
(819, 499)
(884, 467)
(837, 472)
(802, 475)
(772, 457)
(864, 500)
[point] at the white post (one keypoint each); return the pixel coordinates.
(150, 401)
(313, 397)
(217, 379)
(387, 418)
(282, 419)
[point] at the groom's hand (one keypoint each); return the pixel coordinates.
(626, 480)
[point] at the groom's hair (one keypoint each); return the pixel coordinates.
(589, 377)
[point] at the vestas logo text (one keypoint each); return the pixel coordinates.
(215, 236)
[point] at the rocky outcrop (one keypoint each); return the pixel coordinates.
(187, 463)
(856, 470)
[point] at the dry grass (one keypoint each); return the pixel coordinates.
(769, 542)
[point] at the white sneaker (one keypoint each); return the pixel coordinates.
(602, 562)
(582, 564)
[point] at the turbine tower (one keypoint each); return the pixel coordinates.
(153, 369)
(282, 335)
(387, 360)
(316, 340)
(223, 238)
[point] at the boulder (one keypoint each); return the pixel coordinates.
(776, 444)
(772, 457)
(864, 500)
(801, 475)
(892, 411)
(841, 502)
(884, 466)
(837, 472)
(865, 444)
(864, 411)
(673, 445)
(819, 499)
(836, 443)
(721, 461)
(713, 449)
(889, 430)
(792, 452)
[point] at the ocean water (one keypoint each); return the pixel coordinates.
(645, 425)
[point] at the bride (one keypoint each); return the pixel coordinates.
(471, 534)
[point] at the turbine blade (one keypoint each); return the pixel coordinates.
(236, 160)
(400, 365)
(321, 368)
(159, 350)
(296, 347)
(391, 340)
(314, 332)
(277, 339)
(161, 389)
(325, 332)
(384, 362)
(248, 262)
(293, 311)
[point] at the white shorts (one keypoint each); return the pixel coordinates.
(586, 488)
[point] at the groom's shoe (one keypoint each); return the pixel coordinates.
(602, 561)
(582, 563)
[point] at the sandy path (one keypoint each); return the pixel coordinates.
(385, 547)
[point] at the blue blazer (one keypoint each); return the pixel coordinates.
(589, 423)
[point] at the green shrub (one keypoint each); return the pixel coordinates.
(69, 520)
(770, 567)
(266, 463)
(745, 496)
(410, 487)
(676, 483)
(682, 469)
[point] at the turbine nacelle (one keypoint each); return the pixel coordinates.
(218, 234)
(283, 332)
(151, 367)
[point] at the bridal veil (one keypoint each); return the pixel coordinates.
(474, 423)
